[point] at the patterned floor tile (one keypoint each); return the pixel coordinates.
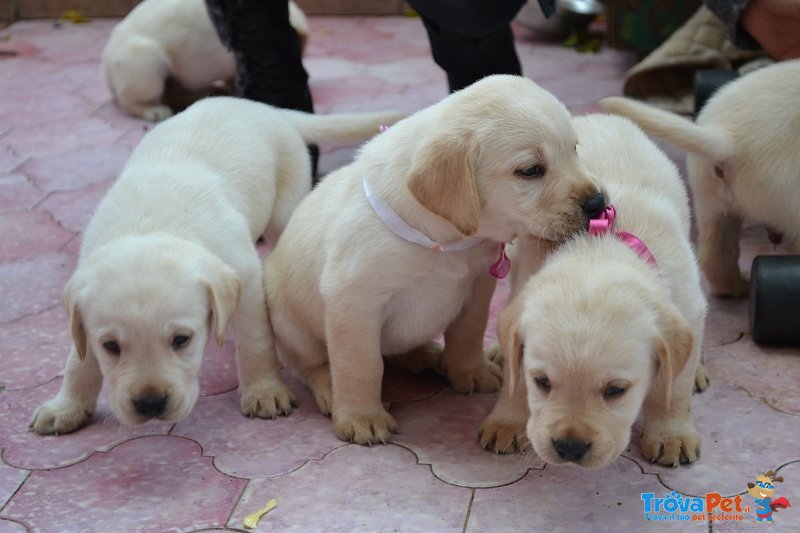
(783, 519)
(9, 526)
(48, 273)
(572, 499)
(158, 483)
(18, 192)
(443, 432)
(739, 434)
(24, 449)
(768, 373)
(73, 209)
(27, 233)
(37, 140)
(76, 169)
(356, 488)
(252, 447)
(11, 480)
(35, 348)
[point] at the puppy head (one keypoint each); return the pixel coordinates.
(590, 353)
(144, 308)
(503, 159)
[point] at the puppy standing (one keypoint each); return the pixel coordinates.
(170, 251)
(600, 333)
(744, 156)
(169, 39)
(486, 164)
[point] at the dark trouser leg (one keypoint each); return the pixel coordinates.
(269, 66)
(471, 39)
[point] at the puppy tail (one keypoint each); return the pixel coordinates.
(674, 129)
(341, 126)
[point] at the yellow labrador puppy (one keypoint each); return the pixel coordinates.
(612, 324)
(396, 248)
(169, 39)
(743, 162)
(170, 252)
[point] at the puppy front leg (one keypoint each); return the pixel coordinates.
(354, 350)
(669, 436)
(262, 391)
(76, 401)
(504, 429)
(463, 360)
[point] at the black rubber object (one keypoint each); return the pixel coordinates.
(775, 299)
(707, 81)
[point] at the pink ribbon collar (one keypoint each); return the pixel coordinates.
(605, 223)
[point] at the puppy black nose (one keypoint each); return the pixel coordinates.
(150, 406)
(570, 449)
(593, 205)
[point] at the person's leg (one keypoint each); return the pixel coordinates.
(269, 66)
(471, 39)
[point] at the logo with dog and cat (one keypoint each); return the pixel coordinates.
(677, 507)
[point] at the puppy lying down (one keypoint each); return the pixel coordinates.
(612, 323)
(175, 40)
(743, 161)
(396, 248)
(170, 253)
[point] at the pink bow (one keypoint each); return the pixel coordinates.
(604, 224)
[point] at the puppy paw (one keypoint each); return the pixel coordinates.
(157, 113)
(324, 400)
(701, 379)
(372, 428)
(266, 400)
(486, 378)
(503, 435)
(738, 287)
(495, 354)
(671, 445)
(57, 417)
(320, 383)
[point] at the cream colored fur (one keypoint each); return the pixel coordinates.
(343, 288)
(597, 315)
(169, 39)
(169, 256)
(743, 161)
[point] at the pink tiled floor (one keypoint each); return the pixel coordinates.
(62, 143)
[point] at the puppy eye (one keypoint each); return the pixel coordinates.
(533, 171)
(180, 341)
(112, 347)
(614, 391)
(543, 383)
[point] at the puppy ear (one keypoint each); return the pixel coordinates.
(224, 292)
(442, 179)
(79, 338)
(511, 341)
(673, 347)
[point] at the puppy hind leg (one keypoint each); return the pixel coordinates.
(75, 403)
(138, 76)
(718, 253)
(463, 360)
